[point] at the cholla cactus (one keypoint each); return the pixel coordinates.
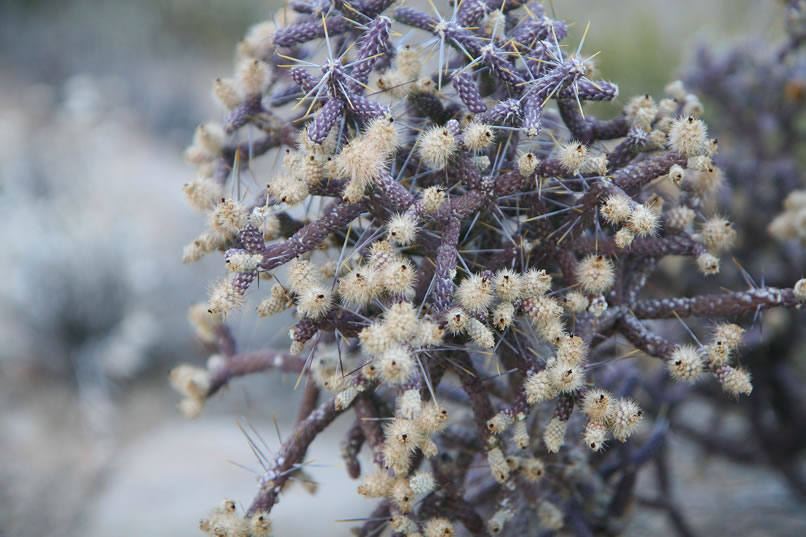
(467, 225)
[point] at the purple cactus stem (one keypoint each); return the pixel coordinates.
(532, 115)
(556, 79)
(446, 266)
(335, 216)
(564, 408)
(324, 120)
(508, 111)
(640, 173)
(252, 239)
(463, 39)
(308, 31)
(373, 42)
(588, 90)
(627, 149)
(372, 8)
(414, 17)
(303, 78)
(499, 64)
(430, 105)
(536, 29)
(470, 12)
(364, 107)
(304, 330)
(309, 6)
(587, 129)
(469, 93)
(241, 114)
(242, 280)
(393, 192)
(463, 169)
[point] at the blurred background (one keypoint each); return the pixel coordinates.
(98, 99)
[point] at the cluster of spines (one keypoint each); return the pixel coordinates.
(225, 521)
(687, 363)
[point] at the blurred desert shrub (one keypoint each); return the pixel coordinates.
(82, 262)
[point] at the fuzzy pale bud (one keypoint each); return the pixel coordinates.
(595, 274)
(686, 363)
(436, 146)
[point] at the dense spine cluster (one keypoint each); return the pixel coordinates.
(461, 245)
